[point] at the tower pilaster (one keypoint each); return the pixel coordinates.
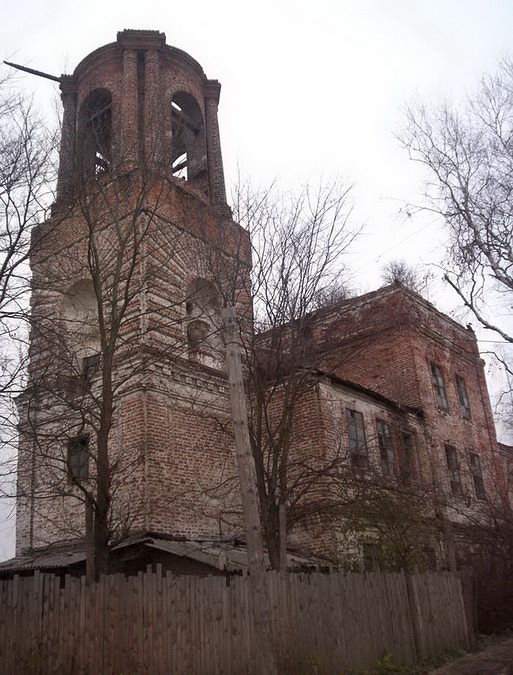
(212, 90)
(66, 175)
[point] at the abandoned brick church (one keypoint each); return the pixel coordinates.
(129, 276)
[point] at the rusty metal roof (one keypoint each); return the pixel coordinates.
(45, 559)
(221, 555)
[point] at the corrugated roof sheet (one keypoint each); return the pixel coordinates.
(45, 559)
(220, 555)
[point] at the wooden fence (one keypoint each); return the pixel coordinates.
(154, 623)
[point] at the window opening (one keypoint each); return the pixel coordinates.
(78, 458)
(477, 475)
(439, 386)
(96, 133)
(454, 470)
(357, 441)
(188, 153)
(90, 366)
(386, 447)
(180, 167)
(463, 398)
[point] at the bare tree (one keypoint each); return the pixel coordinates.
(468, 153)
(399, 272)
(396, 524)
(106, 307)
(488, 552)
(27, 172)
(298, 247)
(469, 157)
(93, 335)
(96, 326)
(333, 293)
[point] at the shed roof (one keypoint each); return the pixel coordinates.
(221, 555)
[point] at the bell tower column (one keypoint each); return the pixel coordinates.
(212, 90)
(152, 116)
(66, 175)
(129, 111)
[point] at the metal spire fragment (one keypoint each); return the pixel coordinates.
(33, 72)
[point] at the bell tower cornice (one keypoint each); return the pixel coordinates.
(141, 39)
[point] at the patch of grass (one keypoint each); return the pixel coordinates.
(388, 664)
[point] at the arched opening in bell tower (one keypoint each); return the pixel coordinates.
(202, 309)
(188, 152)
(79, 311)
(95, 134)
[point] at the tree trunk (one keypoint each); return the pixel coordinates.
(272, 537)
(283, 537)
(101, 544)
(103, 478)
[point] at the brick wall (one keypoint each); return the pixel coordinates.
(394, 336)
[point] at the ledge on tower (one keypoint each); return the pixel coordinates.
(141, 39)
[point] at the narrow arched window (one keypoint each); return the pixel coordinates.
(95, 134)
(188, 153)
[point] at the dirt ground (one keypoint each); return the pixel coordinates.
(495, 659)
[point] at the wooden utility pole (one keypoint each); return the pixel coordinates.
(283, 537)
(89, 525)
(266, 656)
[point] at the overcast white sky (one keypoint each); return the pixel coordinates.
(310, 90)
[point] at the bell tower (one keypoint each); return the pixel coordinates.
(139, 102)
(129, 277)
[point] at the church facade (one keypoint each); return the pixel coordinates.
(127, 392)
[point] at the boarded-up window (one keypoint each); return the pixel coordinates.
(463, 398)
(454, 470)
(477, 475)
(439, 387)
(357, 441)
(386, 447)
(90, 366)
(78, 458)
